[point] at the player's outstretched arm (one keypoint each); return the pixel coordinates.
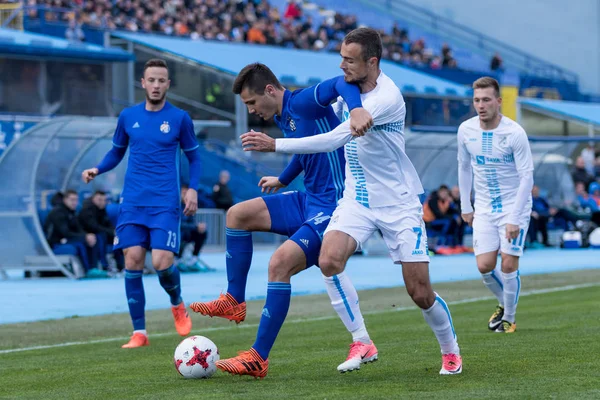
(115, 154)
(290, 173)
(191, 149)
(323, 143)
(110, 161)
(465, 179)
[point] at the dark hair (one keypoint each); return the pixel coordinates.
(255, 77)
(155, 62)
(370, 41)
(487, 82)
(69, 192)
(184, 186)
(99, 192)
(57, 199)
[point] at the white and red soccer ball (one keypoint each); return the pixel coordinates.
(196, 357)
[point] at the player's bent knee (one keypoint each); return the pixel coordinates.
(135, 258)
(280, 270)
(251, 215)
(330, 266)
(423, 298)
(485, 268)
(162, 259)
(509, 263)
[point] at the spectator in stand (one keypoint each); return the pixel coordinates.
(455, 207)
(254, 21)
(65, 235)
(587, 203)
(597, 169)
(221, 193)
(594, 191)
(438, 216)
(74, 33)
(588, 156)
(540, 214)
(93, 218)
(292, 10)
(496, 63)
(580, 174)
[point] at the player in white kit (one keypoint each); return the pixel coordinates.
(381, 188)
(495, 160)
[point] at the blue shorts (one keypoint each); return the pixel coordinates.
(304, 223)
(149, 227)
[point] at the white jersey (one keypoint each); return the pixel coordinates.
(378, 171)
(501, 163)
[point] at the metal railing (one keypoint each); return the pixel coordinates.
(470, 39)
(11, 16)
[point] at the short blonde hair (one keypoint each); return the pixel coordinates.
(487, 82)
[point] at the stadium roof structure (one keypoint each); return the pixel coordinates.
(587, 114)
(305, 68)
(21, 43)
(49, 157)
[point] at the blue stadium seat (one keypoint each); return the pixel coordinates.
(409, 89)
(451, 92)
(430, 90)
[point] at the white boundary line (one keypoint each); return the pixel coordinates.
(295, 321)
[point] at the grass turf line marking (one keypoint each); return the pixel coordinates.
(295, 321)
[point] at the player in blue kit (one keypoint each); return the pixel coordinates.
(155, 132)
(302, 217)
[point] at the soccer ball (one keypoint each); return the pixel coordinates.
(196, 357)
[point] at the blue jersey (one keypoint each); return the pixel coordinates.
(323, 172)
(155, 140)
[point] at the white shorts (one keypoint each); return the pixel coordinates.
(402, 227)
(489, 234)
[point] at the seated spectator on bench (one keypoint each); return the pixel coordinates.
(540, 214)
(65, 235)
(191, 232)
(455, 207)
(93, 218)
(439, 216)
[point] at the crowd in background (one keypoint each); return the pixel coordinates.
(250, 21)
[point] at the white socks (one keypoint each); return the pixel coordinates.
(439, 319)
(512, 287)
(344, 300)
(142, 331)
(493, 281)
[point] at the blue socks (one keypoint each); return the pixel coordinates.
(170, 280)
(238, 260)
(136, 299)
(273, 315)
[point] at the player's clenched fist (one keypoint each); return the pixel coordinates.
(360, 121)
(89, 174)
(270, 184)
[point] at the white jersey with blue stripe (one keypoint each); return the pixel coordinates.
(499, 159)
(378, 171)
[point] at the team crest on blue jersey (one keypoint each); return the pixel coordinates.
(165, 127)
(292, 124)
